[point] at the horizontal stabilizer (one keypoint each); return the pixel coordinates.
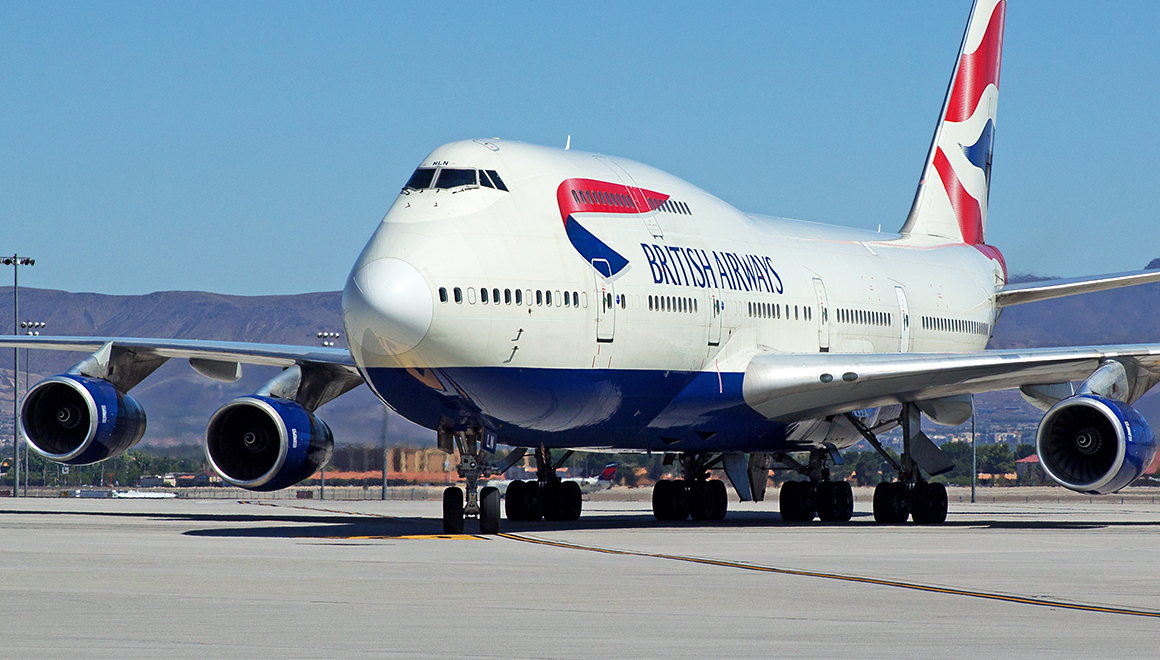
(1025, 292)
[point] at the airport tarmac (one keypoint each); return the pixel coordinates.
(277, 579)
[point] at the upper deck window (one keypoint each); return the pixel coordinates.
(420, 179)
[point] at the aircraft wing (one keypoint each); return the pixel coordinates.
(789, 387)
(278, 355)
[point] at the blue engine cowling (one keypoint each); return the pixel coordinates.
(79, 420)
(1094, 445)
(265, 443)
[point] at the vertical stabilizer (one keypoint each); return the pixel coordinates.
(951, 201)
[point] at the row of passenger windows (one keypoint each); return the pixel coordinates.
(541, 297)
(955, 325)
(672, 304)
(760, 310)
(444, 178)
(865, 317)
(603, 198)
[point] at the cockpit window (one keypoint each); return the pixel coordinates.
(484, 180)
(420, 179)
(453, 178)
(498, 181)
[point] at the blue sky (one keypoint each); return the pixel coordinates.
(251, 148)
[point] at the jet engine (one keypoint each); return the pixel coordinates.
(79, 420)
(1092, 444)
(266, 443)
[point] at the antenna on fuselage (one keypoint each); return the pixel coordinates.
(568, 144)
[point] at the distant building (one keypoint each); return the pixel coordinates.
(1029, 472)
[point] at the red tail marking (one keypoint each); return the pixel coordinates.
(967, 210)
(978, 69)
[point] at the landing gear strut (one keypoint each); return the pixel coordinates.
(800, 501)
(694, 496)
(483, 504)
(547, 497)
(911, 496)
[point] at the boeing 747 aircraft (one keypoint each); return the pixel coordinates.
(548, 299)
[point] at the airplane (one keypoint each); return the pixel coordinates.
(550, 299)
(588, 485)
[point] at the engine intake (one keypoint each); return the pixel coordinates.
(1094, 445)
(266, 443)
(79, 420)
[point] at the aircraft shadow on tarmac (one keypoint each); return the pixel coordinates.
(284, 522)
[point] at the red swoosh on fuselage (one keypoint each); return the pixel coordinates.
(591, 195)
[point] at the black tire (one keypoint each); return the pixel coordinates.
(891, 503)
(719, 496)
(453, 510)
(662, 500)
(552, 502)
(929, 504)
(828, 501)
(846, 497)
(533, 502)
(680, 500)
(571, 501)
(515, 501)
(797, 501)
(489, 510)
(700, 505)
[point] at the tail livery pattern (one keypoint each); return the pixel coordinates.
(955, 206)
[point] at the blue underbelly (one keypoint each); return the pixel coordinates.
(607, 408)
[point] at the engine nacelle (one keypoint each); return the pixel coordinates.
(266, 443)
(79, 420)
(1094, 445)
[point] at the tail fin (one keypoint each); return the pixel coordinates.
(609, 470)
(951, 200)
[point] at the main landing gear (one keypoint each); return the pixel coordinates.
(911, 496)
(801, 501)
(547, 497)
(694, 496)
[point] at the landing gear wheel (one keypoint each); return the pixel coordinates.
(835, 501)
(796, 501)
(453, 510)
(661, 500)
(700, 505)
(515, 501)
(489, 510)
(891, 502)
(719, 498)
(551, 501)
(680, 500)
(929, 504)
(571, 501)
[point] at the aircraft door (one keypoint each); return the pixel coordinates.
(823, 317)
(605, 300)
(903, 321)
(714, 319)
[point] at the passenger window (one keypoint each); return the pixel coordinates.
(650, 303)
(795, 312)
(567, 299)
(507, 296)
(442, 294)
(495, 296)
(496, 180)
(483, 295)
(454, 178)
(583, 300)
(458, 295)
(421, 179)
(519, 297)
(471, 295)
(558, 299)
(539, 297)
(548, 298)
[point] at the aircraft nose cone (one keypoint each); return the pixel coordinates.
(387, 307)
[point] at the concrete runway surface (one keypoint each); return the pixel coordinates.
(236, 579)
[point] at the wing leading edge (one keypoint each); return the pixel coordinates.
(788, 387)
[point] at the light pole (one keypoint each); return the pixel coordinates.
(31, 328)
(974, 463)
(327, 338)
(16, 261)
